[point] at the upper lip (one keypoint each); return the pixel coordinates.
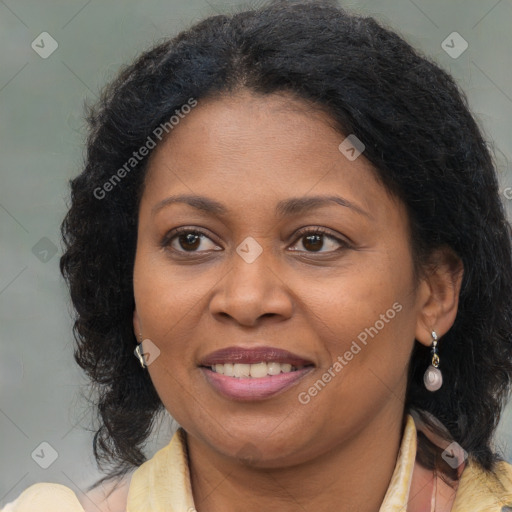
(253, 355)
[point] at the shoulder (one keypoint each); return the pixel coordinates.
(45, 497)
(504, 474)
(49, 497)
(503, 477)
(487, 490)
(108, 498)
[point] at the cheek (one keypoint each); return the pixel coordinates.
(168, 308)
(365, 368)
(168, 298)
(366, 318)
(162, 304)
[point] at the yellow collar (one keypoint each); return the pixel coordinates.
(162, 484)
(400, 485)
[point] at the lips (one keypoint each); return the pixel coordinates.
(249, 389)
(233, 355)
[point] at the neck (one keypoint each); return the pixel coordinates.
(353, 475)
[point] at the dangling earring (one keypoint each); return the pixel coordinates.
(433, 379)
(138, 352)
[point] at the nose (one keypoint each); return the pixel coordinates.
(252, 290)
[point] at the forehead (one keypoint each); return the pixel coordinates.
(260, 146)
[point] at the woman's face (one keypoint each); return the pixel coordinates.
(250, 278)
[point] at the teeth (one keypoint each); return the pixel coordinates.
(257, 370)
(273, 368)
(241, 370)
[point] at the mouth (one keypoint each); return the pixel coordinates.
(253, 374)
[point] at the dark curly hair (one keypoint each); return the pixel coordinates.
(419, 134)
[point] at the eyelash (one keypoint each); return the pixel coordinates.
(168, 239)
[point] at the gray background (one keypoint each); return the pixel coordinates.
(41, 136)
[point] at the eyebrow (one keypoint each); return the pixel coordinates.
(284, 208)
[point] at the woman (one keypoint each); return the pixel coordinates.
(294, 220)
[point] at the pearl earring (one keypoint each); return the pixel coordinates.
(433, 379)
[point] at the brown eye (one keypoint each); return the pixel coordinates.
(187, 240)
(313, 240)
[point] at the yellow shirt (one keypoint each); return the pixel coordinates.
(162, 484)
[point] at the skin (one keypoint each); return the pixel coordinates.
(249, 152)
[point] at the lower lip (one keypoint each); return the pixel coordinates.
(250, 388)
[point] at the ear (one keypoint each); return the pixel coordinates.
(136, 324)
(439, 294)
